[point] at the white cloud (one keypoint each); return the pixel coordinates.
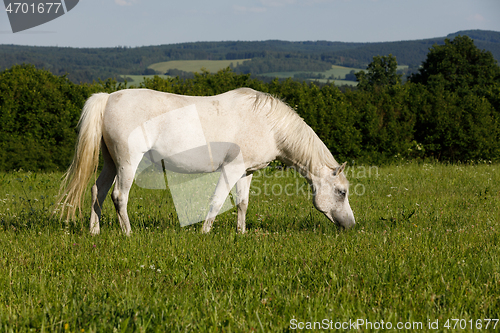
(125, 2)
(476, 18)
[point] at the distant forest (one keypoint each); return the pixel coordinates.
(91, 64)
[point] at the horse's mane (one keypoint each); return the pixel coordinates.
(292, 134)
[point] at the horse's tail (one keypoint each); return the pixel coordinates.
(86, 159)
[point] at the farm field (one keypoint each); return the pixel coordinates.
(338, 72)
(184, 65)
(137, 79)
(194, 65)
(423, 253)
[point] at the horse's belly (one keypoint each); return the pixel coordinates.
(207, 158)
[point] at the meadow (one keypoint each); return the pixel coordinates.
(138, 79)
(339, 72)
(423, 256)
(194, 65)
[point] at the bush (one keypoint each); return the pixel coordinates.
(39, 113)
(453, 127)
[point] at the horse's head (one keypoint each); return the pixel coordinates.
(331, 196)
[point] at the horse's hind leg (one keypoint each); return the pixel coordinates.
(124, 180)
(243, 195)
(100, 189)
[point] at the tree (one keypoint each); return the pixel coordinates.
(463, 85)
(381, 72)
(149, 71)
(462, 66)
(38, 116)
(351, 76)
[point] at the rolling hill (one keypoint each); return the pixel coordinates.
(88, 64)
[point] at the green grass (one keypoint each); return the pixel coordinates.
(216, 65)
(184, 65)
(336, 71)
(425, 248)
(341, 71)
(137, 79)
(194, 65)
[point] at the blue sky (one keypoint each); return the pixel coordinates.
(108, 23)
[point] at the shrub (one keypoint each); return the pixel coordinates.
(38, 115)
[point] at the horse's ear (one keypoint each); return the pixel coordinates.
(338, 170)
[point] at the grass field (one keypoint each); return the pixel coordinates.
(184, 65)
(336, 71)
(216, 65)
(424, 254)
(194, 65)
(137, 79)
(340, 72)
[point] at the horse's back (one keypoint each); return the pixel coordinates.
(175, 120)
(144, 104)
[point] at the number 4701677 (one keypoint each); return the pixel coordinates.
(466, 324)
(25, 8)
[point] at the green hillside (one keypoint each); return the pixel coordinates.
(91, 64)
(194, 65)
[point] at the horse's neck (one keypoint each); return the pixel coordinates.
(302, 169)
(297, 143)
(311, 167)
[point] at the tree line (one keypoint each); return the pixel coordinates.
(91, 64)
(448, 111)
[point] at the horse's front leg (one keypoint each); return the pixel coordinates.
(230, 174)
(221, 192)
(243, 196)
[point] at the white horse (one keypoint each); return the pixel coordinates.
(252, 129)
